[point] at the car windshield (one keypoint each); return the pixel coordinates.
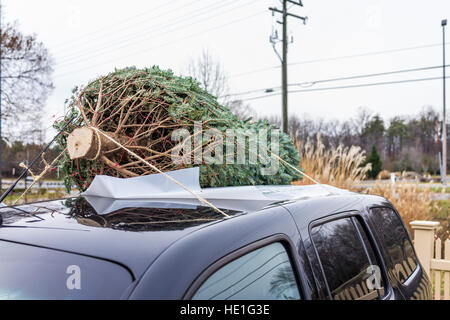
(28, 272)
(144, 216)
(35, 271)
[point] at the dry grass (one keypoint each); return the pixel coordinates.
(34, 196)
(342, 167)
(410, 200)
(338, 166)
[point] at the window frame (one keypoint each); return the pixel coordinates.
(415, 272)
(373, 244)
(283, 239)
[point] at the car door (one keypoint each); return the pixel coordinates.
(345, 258)
(404, 270)
(263, 270)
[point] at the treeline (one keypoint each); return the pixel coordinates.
(19, 152)
(404, 143)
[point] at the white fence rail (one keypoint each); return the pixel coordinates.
(434, 254)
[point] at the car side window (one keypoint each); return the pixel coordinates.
(396, 240)
(347, 263)
(263, 274)
(372, 257)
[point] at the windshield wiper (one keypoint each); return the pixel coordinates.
(20, 210)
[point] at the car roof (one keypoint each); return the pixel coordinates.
(68, 225)
(133, 236)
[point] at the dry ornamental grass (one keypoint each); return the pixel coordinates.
(412, 201)
(343, 167)
(337, 166)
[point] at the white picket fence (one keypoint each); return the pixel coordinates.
(434, 254)
(440, 267)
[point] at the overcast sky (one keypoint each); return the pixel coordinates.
(88, 38)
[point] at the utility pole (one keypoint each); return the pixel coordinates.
(284, 71)
(284, 56)
(1, 139)
(444, 115)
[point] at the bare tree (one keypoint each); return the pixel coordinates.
(209, 72)
(212, 77)
(26, 80)
(242, 110)
(362, 118)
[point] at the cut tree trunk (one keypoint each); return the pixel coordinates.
(85, 143)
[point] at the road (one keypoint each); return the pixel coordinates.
(435, 195)
(6, 183)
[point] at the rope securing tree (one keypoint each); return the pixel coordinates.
(140, 109)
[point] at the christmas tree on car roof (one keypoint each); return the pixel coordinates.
(141, 109)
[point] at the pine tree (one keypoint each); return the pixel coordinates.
(374, 159)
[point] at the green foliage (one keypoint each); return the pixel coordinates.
(186, 103)
(374, 131)
(375, 160)
(397, 134)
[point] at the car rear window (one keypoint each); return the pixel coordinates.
(347, 259)
(28, 272)
(396, 240)
(263, 274)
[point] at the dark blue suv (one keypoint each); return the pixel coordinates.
(341, 246)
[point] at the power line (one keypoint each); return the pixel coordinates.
(163, 45)
(121, 22)
(339, 58)
(359, 55)
(84, 55)
(348, 87)
(144, 32)
(337, 79)
(372, 75)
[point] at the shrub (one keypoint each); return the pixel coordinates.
(384, 175)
